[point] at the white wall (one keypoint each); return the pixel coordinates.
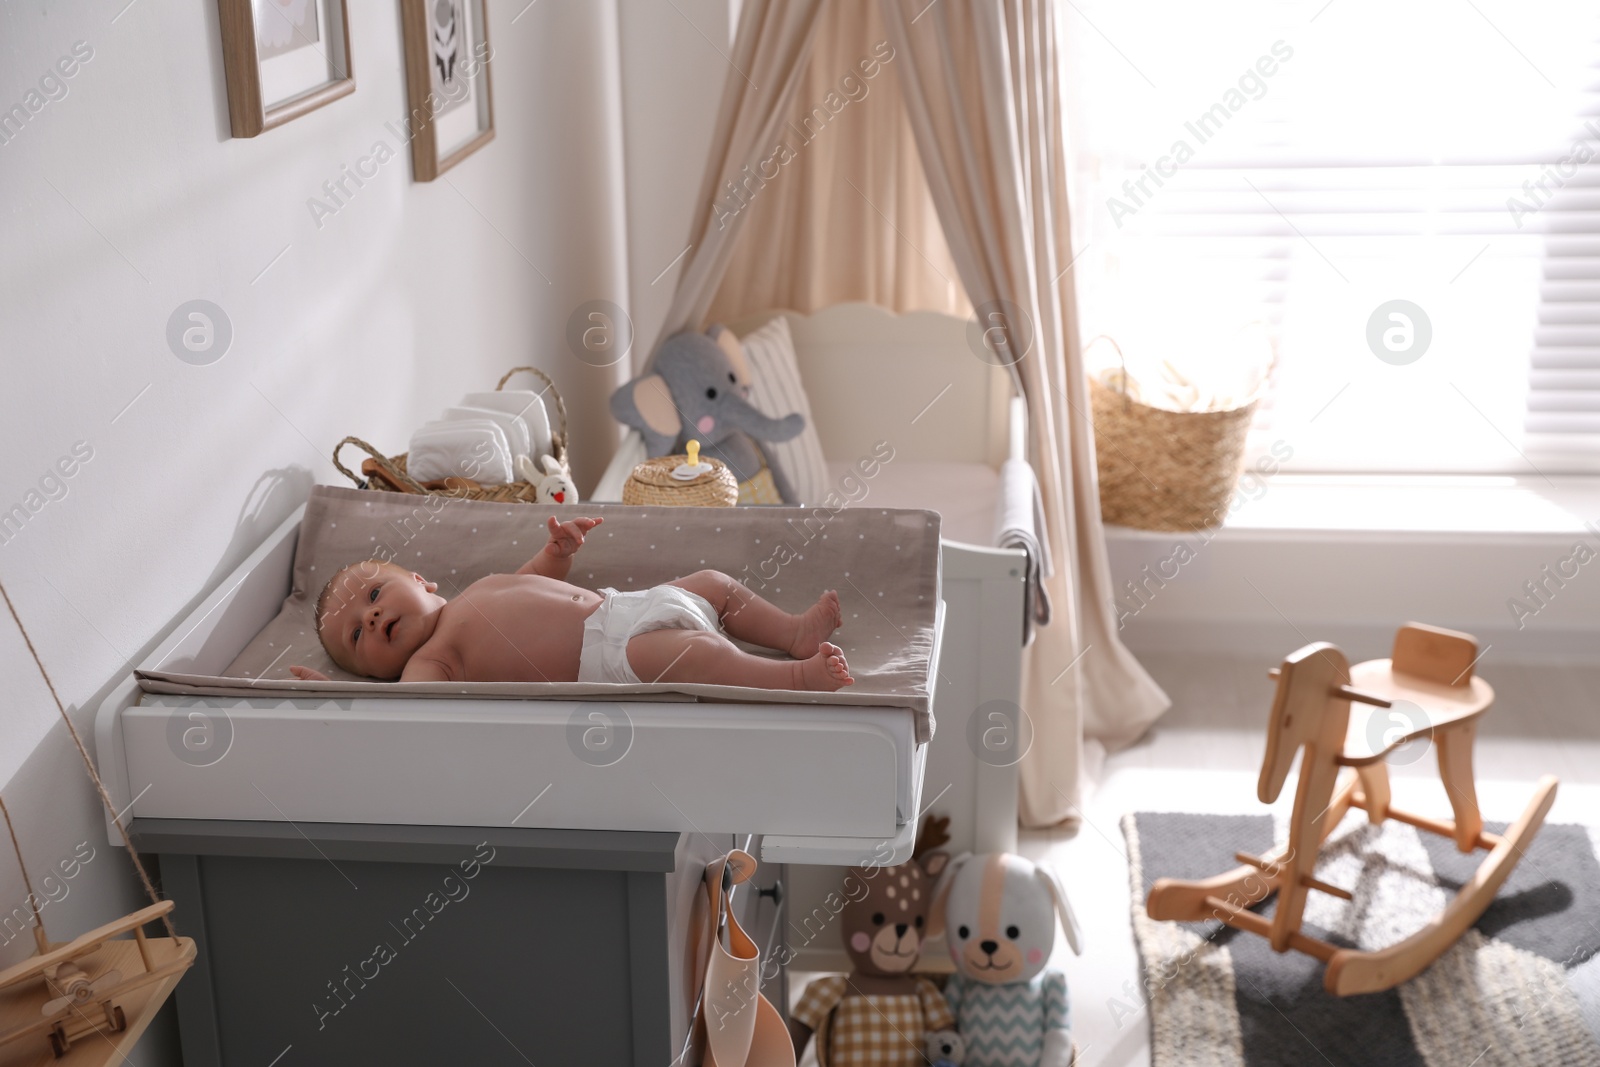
(1348, 560)
(128, 197)
(674, 67)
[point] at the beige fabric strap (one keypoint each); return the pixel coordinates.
(740, 1027)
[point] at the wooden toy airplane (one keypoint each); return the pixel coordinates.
(91, 985)
(1430, 675)
(70, 991)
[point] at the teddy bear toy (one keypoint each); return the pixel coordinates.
(880, 1013)
(945, 1049)
(998, 913)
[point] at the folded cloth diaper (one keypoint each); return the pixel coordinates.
(626, 615)
(512, 426)
(527, 406)
(468, 449)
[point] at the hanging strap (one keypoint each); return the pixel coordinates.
(33, 900)
(94, 775)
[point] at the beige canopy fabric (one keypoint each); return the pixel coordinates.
(846, 215)
(980, 84)
(768, 61)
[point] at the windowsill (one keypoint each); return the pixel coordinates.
(1408, 506)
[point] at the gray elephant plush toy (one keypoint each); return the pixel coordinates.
(699, 390)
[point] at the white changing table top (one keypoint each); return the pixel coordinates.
(821, 784)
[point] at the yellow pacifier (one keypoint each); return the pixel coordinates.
(694, 468)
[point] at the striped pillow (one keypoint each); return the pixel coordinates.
(775, 390)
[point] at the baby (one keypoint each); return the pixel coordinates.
(383, 621)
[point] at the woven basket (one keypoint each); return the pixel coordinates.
(1165, 470)
(386, 474)
(652, 483)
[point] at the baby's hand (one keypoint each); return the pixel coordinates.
(306, 674)
(567, 537)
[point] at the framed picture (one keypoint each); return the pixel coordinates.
(283, 58)
(447, 82)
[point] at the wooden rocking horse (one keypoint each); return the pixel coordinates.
(1429, 681)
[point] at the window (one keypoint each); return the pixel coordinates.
(1310, 166)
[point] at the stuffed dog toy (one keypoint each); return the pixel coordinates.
(945, 1049)
(998, 913)
(880, 1013)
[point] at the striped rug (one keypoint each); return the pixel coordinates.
(1521, 987)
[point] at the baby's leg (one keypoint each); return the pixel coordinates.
(699, 656)
(750, 618)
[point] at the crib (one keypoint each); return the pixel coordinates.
(915, 381)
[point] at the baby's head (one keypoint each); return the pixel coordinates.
(372, 616)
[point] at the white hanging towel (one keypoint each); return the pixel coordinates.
(1019, 522)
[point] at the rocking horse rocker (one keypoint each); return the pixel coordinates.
(1430, 676)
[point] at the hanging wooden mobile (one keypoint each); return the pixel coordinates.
(86, 1002)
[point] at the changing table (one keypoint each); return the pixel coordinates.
(290, 821)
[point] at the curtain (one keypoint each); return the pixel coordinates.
(979, 79)
(846, 214)
(765, 69)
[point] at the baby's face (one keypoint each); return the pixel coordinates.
(377, 617)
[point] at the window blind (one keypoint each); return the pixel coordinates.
(1405, 197)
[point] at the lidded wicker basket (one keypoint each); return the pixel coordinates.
(1165, 470)
(387, 474)
(652, 482)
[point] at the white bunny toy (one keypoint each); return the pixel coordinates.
(998, 912)
(555, 486)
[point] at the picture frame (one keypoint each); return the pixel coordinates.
(448, 91)
(283, 59)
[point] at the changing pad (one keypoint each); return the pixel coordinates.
(884, 562)
(965, 494)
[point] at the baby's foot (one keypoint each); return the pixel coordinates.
(815, 625)
(826, 670)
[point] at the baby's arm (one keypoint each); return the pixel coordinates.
(555, 559)
(424, 670)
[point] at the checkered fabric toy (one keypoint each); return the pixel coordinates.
(875, 1030)
(880, 1013)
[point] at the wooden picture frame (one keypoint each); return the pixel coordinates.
(447, 56)
(273, 76)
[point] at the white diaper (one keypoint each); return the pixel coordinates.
(626, 615)
(475, 449)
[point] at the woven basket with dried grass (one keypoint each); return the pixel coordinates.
(652, 482)
(388, 474)
(1161, 469)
